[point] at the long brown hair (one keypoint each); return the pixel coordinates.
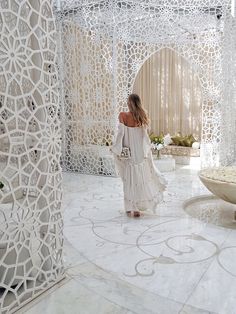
(135, 107)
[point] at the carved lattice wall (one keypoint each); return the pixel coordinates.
(228, 139)
(103, 46)
(30, 201)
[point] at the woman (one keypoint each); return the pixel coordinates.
(143, 184)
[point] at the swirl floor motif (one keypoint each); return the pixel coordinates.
(181, 260)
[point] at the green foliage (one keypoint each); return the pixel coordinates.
(186, 140)
(157, 139)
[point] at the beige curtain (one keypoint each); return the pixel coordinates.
(170, 91)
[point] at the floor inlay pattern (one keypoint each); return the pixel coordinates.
(173, 262)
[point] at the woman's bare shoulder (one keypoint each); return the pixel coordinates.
(122, 116)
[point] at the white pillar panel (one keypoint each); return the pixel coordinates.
(30, 202)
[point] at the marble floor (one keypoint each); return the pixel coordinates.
(181, 260)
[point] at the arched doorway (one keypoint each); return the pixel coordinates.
(170, 91)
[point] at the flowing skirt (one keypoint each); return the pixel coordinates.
(143, 184)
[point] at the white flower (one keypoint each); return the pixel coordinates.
(157, 146)
(167, 139)
(153, 146)
(160, 146)
(196, 145)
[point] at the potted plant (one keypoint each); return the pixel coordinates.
(157, 142)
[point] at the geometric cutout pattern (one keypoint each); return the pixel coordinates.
(103, 45)
(30, 143)
(228, 151)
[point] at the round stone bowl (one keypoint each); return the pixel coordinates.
(218, 185)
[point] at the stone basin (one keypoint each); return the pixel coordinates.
(221, 185)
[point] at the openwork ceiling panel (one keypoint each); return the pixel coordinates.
(30, 200)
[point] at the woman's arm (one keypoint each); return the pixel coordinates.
(118, 143)
(146, 142)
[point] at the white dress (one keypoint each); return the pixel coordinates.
(143, 183)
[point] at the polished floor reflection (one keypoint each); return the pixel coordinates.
(181, 260)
